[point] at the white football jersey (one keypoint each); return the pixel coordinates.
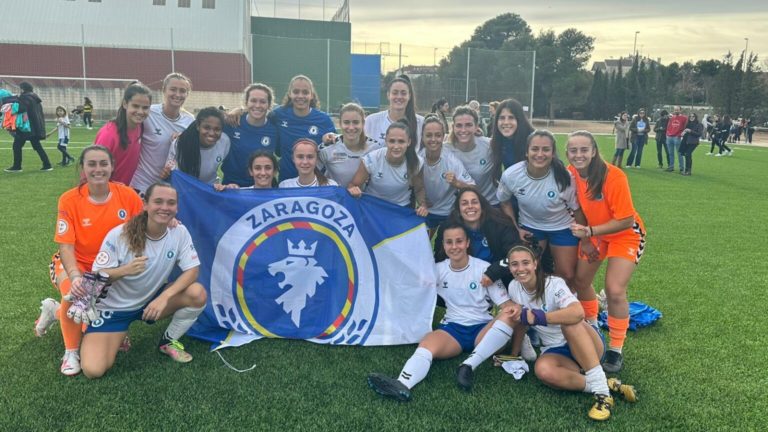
(210, 158)
(294, 183)
(467, 302)
(340, 163)
(542, 205)
(385, 181)
(155, 145)
(440, 194)
(556, 296)
(376, 126)
(134, 292)
(479, 164)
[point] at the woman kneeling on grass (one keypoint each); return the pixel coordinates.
(138, 257)
(569, 343)
(466, 317)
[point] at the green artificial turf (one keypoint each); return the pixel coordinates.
(702, 367)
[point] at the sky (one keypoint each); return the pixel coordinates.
(672, 31)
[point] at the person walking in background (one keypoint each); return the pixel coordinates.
(640, 127)
(621, 128)
(750, 130)
(33, 105)
(62, 127)
(87, 113)
(675, 128)
(691, 136)
(724, 130)
(705, 123)
(661, 138)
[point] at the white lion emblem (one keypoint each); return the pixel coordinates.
(301, 278)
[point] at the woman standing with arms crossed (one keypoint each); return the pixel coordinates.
(621, 127)
(165, 121)
(614, 232)
(86, 214)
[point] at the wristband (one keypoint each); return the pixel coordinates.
(539, 317)
(591, 232)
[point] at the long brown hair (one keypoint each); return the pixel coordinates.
(410, 107)
(596, 170)
(121, 120)
(524, 129)
(135, 230)
(314, 101)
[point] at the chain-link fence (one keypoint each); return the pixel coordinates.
(457, 74)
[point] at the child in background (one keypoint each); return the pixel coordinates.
(62, 126)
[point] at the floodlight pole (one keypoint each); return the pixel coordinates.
(173, 54)
(469, 55)
(82, 48)
(533, 87)
(634, 49)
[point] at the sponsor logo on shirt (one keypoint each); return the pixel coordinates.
(86, 222)
(284, 123)
(445, 284)
(236, 135)
(379, 175)
(158, 131)
(521, 191)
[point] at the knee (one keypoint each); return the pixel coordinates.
(546, 372)
(92, 371)
(197, 295)
(616, 293)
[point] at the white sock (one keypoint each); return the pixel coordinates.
(495, 339)
(618, 350)
(597, 383)
(182, 321)
(416, 368)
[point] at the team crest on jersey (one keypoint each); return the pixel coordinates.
(122, 214)
(485, 242)
(473, 285)
(313, 130)
(61, 226)
(551, 194)
(265, 141)
(102, 258)
(170, 254)
(218, 158)
(297, 252)
(483, 162)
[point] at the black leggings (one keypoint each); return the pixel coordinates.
(661, 146)
(687, 151)
(87, 120)
(18, 143)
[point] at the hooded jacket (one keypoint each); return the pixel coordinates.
(34, 109)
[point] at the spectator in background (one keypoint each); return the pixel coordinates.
(675, 128)
(661, 138)
(442, 109)
(492, 106)
(33, 105)
(705, 123)
(475, 106)
(750, 130)
(640, 127)
(691, 137)
(723, 129)
(621, 128)
(88, 113)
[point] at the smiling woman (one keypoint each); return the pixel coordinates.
(201, 148)
(122, 136)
